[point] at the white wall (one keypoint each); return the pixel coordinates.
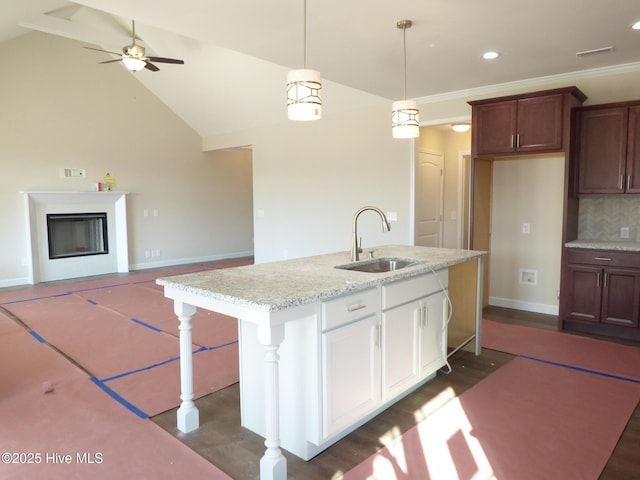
(60, 108)
(527, 191)
(311, 177)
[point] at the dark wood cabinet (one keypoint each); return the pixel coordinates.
(533, 123)
(633, 150)
(601, 293)
(608, 149)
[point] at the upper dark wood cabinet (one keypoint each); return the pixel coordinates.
(532, 123)
(602, 149)
(608, 149)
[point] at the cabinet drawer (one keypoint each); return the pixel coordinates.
(605, 258)
(404, 291)
(343, 310)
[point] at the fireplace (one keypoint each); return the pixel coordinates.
(77, 234)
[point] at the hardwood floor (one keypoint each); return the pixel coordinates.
(237, 451)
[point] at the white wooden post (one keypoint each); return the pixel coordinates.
(188, 415)
(273, 465)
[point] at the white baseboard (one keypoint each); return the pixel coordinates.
(526, 306)
(14, 282)
(186, 261)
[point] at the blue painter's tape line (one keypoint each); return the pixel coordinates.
(33, 299)
(37, 337)
(221, 345)
(132, 372)
(93, 302)
(140, 322)
(102, 287)
(120, 399)
(580, 369)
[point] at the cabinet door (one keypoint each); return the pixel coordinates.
(584, 293)
(351, 378)
(494, 127)
(602, 150)
(433, 335)
(621, 297)
(633, 151)
(539, 123)
(400, 352)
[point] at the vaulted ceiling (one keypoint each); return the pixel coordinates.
(237, 53)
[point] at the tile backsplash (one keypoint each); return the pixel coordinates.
(601, 218)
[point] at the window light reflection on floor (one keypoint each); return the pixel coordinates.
(443, 443)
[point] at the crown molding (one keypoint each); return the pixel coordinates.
(531, 83)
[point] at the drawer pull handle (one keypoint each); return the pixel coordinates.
(353, 308)
(607, 259)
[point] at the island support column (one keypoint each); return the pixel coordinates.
(273, 465)
(188, 415)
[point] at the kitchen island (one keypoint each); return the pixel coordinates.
(346, 343)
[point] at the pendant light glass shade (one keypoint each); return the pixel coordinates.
(304, 95)
(405, 119)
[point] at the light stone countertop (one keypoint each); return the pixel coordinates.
(280, 285)
(601, 245)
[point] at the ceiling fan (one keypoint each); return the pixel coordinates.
(133, 55)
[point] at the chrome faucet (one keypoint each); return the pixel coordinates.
(356, 244)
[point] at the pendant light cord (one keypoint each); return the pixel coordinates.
(404, 44)
(304, 35)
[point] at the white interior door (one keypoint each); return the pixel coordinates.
(428, 208)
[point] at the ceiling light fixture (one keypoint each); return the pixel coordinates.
(405, 115)
(304, 87)
(635, 26)
(134, 64)
(490, 55)
(461, 127)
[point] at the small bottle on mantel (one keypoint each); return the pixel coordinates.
(108, 182)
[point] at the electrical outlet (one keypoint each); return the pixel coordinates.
(526, 228)
(392, 216)
(624, 232)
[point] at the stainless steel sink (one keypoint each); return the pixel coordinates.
(379, 265)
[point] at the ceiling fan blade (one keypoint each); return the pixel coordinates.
(99, 50)
(166, 60)
(150, 66)
(111, 61)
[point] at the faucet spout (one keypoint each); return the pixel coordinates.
(356, 243)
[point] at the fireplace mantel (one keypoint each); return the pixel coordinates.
(39, 203)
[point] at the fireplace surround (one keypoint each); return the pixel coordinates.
(97, 247)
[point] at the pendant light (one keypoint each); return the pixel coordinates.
(405, 115)
(304, 87)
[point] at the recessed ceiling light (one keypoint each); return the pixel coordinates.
(490, 55)
(636, 25)
(461, 127)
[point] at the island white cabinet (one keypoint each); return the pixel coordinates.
(414, 314)
(350, 359)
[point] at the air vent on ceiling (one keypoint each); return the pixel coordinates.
(595, 51)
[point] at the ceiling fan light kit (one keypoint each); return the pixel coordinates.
(304, 87)
(133, 56)
(134, 64)
(405, 114)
